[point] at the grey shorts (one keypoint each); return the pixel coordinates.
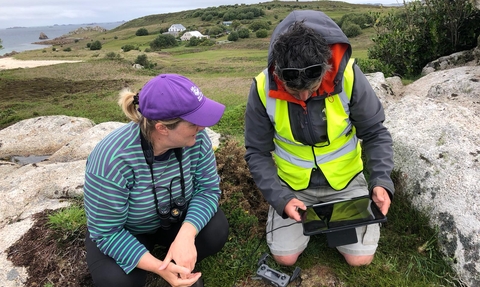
(290, 240)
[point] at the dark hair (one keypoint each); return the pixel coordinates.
(299, 47)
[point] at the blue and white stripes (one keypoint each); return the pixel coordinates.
(118, 191)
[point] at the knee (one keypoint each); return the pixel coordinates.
(219, 229)
(361, 260)
(117, 281)
(114, 276)
(287, 260)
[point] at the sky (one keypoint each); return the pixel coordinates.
(32, 13)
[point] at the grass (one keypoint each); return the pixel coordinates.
(408, 254)
(68, 222)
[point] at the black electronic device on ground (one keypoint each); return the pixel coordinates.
(340, 215)
(274, 277)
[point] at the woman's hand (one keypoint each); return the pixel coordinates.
(182, 250)
(171, 275)
(175, 275)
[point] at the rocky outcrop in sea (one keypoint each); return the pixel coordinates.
(42, 36)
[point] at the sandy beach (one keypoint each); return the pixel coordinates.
(11, 63)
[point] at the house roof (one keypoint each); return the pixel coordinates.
(178, 26)
(194, 33)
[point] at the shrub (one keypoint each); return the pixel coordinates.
(143, 60)
(351, 30)
(262, 33)
(88, 45)
(113, 56)
(194, 41)
(214, 31)
(233, 36)
(243, 33)
(235, 24)
(68, 49)
(141, 32)
(208, 18)
(163, 41)
(259, 24)
(422, 32)
(96, 45)
(363, 20)
(128, 47)
(374, 65)
(206, 42)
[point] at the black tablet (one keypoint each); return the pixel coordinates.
(340, 215)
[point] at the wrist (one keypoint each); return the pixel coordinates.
(187, 231)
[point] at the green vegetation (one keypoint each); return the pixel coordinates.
(259, 24)
(1, 47)
(408, 254)
(141, 32)
(163, 41)
(243, 33)
(194, 41)
(69, 223)
(261, 33)
(144, 62)
(129, 47)
(233, 36)
(96, 45)
(423, 32)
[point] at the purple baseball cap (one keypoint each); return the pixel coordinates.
(170, 96)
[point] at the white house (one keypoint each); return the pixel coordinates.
(176, 28)
(191, 34)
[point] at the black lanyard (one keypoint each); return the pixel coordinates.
(148, 154)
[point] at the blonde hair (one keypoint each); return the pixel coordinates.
(126, 102)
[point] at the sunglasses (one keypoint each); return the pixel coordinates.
(311, 72)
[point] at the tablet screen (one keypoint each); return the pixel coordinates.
(340, 215)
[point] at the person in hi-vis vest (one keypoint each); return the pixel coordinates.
(309, 115)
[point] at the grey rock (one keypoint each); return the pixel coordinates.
(41, 135)
(435, 125)
(81, 145)
(12, 274)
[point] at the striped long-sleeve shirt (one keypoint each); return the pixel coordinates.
(118, 193)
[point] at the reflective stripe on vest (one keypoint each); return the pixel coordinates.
(339, 161)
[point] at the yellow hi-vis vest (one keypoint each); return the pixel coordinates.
(340, 160)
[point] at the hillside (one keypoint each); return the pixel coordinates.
(198, 19)
(223, 71)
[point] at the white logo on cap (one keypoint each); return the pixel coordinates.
(196, 91)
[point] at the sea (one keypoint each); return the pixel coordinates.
(20, 39)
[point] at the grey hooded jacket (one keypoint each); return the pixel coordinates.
(366, 114)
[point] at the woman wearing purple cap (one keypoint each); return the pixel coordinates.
(154, 182)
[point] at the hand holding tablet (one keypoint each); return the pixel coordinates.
(340, 215)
